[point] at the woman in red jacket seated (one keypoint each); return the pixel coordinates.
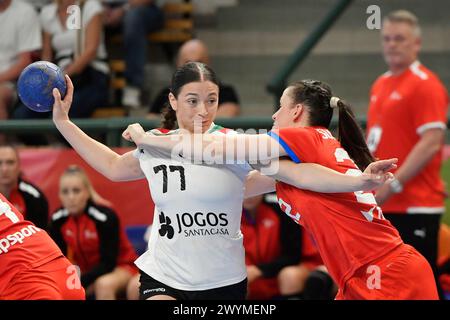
(92, 237)
(282, 261)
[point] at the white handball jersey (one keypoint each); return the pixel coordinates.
(196, 242)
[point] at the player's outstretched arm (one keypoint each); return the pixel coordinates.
(112, 165)
(256, 183)
(260, 148)
(209, 147)
(317, 178)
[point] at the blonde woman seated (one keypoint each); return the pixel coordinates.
(91, 235)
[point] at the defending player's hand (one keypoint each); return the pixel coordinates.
(134, 133)
(381, 166)
(377, 173)
(61, 107)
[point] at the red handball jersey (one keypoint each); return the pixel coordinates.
(348, 229)
(310, 256)
(22, 244)
(401, 109)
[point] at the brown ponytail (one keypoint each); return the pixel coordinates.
(351, 136)
(169, 118)
(319, 99)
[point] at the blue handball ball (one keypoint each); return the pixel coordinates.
(36, 83)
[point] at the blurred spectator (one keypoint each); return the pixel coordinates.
(407, 119)
(38, 4)
(25, 196)
(136, 18)
(20, 35)
(196, 51)
(80, 53)
(271, 241)
(92, 236)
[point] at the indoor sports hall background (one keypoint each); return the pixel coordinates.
(257, 47)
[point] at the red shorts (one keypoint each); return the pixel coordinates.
(403, 274)
(54, 280)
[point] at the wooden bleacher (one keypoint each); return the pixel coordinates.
(178, 25)
(178, 28)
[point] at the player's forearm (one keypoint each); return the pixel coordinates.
(317, 178)
(166, 142)
(422, 153)
(257, 184)
(210, 148)
(99, 156)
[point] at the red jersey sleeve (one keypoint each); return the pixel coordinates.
(429, 108)
(301, 144)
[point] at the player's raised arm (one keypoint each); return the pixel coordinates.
(112, 165)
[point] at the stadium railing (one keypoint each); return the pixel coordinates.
(112, 128)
